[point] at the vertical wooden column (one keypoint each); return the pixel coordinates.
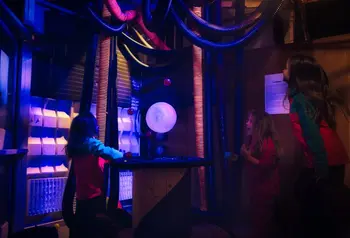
(101, 106)
(199, 113)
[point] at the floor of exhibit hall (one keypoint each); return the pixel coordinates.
(203, 231)
(200, 231)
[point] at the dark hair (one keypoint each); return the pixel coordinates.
(306, 76)
(266, 129)
(83, 126)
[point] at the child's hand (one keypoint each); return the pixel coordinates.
(128, 155)
(245, 152)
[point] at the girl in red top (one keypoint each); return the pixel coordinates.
(89, 155)
(312, 112)
(262, 152)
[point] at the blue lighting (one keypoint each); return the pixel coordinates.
(43, 132)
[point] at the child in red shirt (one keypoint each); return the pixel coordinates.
(262, 153)
(312, 113)
(89, 155)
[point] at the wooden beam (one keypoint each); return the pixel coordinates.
(248, 3)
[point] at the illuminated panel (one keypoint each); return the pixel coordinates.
(4, 73)
(275, 92)
(45, 195)
(129, 129)
(125, 185)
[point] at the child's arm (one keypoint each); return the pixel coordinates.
(311, 134)
(253, 160)
(264, 165)
(97, 148)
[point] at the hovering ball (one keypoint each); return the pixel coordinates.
(130, 111)
(167, 82)
(161, 117)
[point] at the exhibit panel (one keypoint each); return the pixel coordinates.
(152, 73)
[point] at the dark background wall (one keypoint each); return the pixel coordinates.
(333, 54)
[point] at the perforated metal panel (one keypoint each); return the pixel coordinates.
(45, 195)
(125, 185)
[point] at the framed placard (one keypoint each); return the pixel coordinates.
(275, 91)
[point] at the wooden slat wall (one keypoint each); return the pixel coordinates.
(56, 76)
(124, 81)
(58, 72)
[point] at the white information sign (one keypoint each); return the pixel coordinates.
(275, 91)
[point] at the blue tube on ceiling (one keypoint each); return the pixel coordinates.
(162, 10)
(106, 28)
(208, 28)
(213, 46)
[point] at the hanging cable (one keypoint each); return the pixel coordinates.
(209, 45)
(162, 11)
(208, 28)
(105, 27)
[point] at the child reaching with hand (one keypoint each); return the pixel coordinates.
(262, 152)
(88, 155)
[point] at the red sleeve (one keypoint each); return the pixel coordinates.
(297, 131)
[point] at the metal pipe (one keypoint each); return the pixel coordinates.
(208, 120)
(7, 31)
(215, 28)
(221, 108)
(238, 106)
(11, 19)
(59, 9)
(23, 80)
(112, 122)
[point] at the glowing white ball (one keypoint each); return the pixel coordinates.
(161, 117)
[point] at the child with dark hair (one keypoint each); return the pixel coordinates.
(262, 152)
(312, 112)
(88, 155)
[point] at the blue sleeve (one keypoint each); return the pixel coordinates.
(97, 148)
(311, 134)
